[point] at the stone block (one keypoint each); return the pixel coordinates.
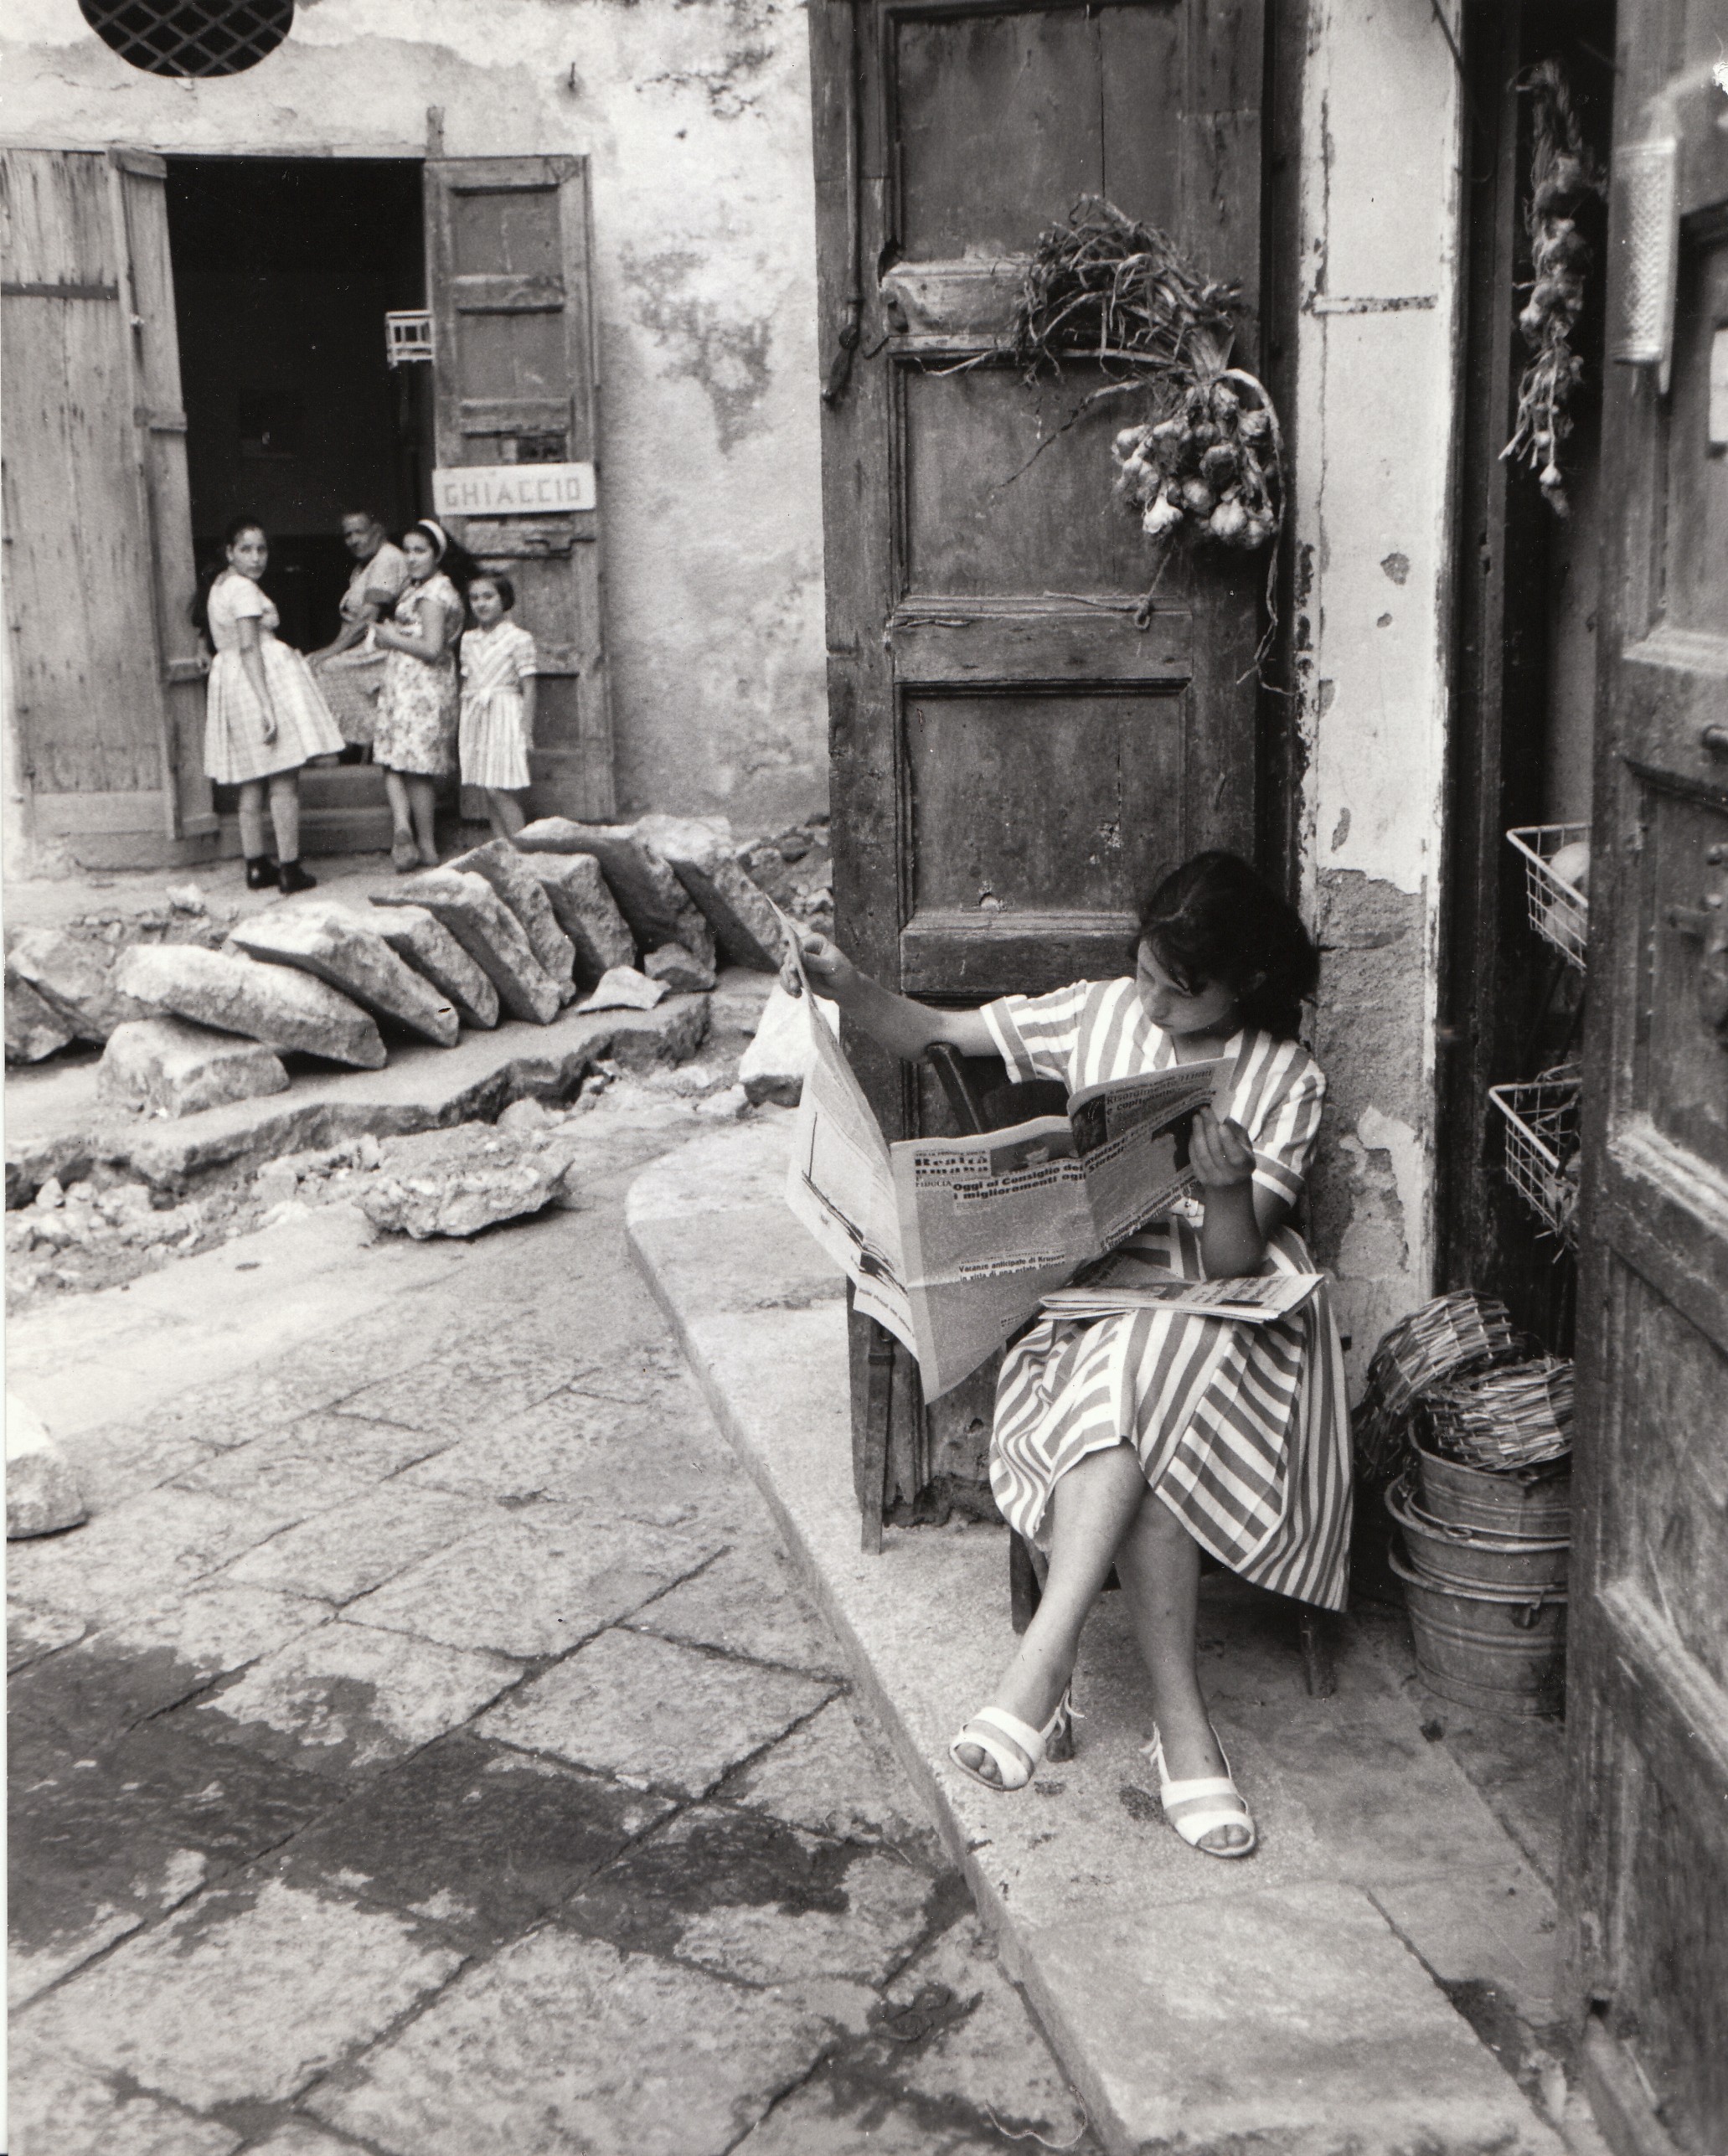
(526, 897)
(650, 2057)
(700, 855)
(654, 1713)
(678, 968)
(175, 1068)
(247, 1997)
(344, 949)
(42, 1492)
(75, 977)
(58, 2107)
(772, 1067)
(651, 899)
(586, 911)
(420, 939)
(622, 988)
(456, 1182)
(33, 1028)
(488, 932)
(346, 1697)
(281, 1007)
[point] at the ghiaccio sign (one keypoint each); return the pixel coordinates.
(511, 490)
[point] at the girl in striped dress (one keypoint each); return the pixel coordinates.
(1140, 1440)
(263, 714)
(498, 718)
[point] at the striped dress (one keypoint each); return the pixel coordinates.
(1242, 1430)
(235, 750)
(494, 731)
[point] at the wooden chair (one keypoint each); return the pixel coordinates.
(1005, 1105)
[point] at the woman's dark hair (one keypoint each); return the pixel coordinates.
(456, 561)
(1215, 918)
(199, 608)
(499, 582)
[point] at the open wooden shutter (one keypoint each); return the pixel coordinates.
(99, 541)
(506, 271)
(160, 420)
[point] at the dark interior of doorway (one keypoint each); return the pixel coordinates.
(284, 269)
(1524, 718)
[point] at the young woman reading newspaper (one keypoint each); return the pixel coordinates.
(1137, 1440)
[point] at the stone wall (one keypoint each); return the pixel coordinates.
(1374, 401)
(695, 114)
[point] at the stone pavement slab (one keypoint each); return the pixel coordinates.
(1075, 1873)
(654, 1713)
(562, 2043)
(824, 1776)
(749, 1606)
(247, 1996)
(58, 2108)
(144, 1550)
(340, 1554)
(142, 1664)
(532, 1585)
(748, 1896)
(346, 1697)
(482, 1840)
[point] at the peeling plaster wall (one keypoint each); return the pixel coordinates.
(696, 115)
(1374, 406)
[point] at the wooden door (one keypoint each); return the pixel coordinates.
(1647, 1702)
(1014, 760)
(159, 417)
(104, 672)
(507, 246)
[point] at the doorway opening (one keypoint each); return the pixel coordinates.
(284, 269)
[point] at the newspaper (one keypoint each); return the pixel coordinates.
(1125, 1281)
(952, 1243)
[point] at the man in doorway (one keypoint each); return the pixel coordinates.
(350, 669)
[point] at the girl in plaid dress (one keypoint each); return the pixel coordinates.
(264, 715)
(1141, 1439)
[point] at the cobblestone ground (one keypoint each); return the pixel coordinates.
(424, 1750)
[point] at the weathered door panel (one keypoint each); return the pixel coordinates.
(507, 251)
(160, 417)
(1015, 759)
(1647, 1885)
(88, 605)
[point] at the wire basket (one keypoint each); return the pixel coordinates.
(1516, 1417)
(1541, 1162)
(1559, 911)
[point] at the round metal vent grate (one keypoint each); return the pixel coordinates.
(191, 37)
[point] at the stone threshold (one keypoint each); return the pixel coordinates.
(1293, 2003)
(55, 1126)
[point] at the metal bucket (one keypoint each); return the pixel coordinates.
(1469, 1557)
(1534, 1502)
(1503, 1653)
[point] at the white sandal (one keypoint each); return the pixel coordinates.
(1017, 1767)
(1198, 1807)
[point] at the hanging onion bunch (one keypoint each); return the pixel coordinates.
(1565, 176)
(1212, 470)
(1209, 463)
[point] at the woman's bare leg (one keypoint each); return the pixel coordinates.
(1160, 1564)
(252, 840)
(285, 814)
(1093, 1506)
(395, 787)
(422, 804)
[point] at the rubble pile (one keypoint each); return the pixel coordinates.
(105, 1229)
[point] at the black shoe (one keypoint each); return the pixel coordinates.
(262, 873)
(291, 877)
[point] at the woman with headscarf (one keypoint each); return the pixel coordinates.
(416, 734)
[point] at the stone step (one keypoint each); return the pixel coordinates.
(1290, 2004)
